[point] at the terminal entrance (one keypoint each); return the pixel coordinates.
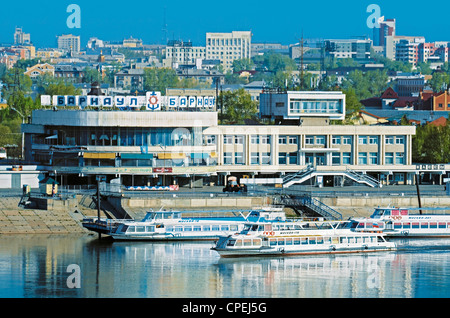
(315, 159)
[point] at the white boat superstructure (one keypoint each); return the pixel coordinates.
(404, 222)
(300, 238)
(170, 225)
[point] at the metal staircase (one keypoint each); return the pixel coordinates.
(312, 206)
(362, 178)
(298, 177)
(311, 171)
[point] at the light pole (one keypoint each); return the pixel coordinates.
(164, 167)
(23, 135)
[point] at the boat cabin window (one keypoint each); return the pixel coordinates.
(131, 229)
(166, 215)
(245, 242)
(252, 228)
(380, 212)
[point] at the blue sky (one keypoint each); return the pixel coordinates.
(275, 21)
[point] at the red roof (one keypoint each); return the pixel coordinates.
(389, 93)
(441, 121)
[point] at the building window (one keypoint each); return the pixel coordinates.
(320, 140)
(255, 139)
(335, 158)
(346, 140)
(239, 140)
(362, 140)
(265, 158)
(362, 158)
(254, 158)
(336, 140)
(293, 158)
(389, 140)
(239, 158)
(373, 140)
(346, 158)
(282, 140)
(282, 158)
(227, 158)
(293, 140)
(389, 158)
(227, 140)
(309, 140)
(373, 158)
(399, 158)
(264, 139)
(400, 140)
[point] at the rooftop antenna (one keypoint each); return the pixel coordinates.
(302, 75)
(164, 29)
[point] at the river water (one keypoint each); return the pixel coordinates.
(36, 266)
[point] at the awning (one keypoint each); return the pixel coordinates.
(171, 155)
(99, 155)
(141, 156)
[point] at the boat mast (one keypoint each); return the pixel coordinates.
(418, 193)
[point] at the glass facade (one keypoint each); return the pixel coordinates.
(315, 106)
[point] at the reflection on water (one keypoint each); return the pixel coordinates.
(36, 266)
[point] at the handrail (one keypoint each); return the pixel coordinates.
(314, 205)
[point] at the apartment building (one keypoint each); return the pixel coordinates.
(69, 42)
(228, 47)
(183, 53)
(355, 49)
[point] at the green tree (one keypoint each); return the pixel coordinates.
(440, 81)
(91, 75)
(431, 144)
(236, 107)
(352, 103)
(366, 85)
(60, 88)
(158, 79)
(243, 65)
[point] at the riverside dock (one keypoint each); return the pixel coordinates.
(63, 215)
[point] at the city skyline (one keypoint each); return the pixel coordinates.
(191, 21)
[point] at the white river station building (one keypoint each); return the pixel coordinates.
(186, 146)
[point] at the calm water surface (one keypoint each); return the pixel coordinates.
(37, 266)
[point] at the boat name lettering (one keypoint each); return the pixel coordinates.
(420, 217)
(188, 221)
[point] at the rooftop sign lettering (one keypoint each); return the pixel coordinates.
(152, 101)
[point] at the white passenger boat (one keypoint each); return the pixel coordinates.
(170, 225)
(300, 238)
(403, 222)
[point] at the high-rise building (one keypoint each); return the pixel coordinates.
(69, 42)
(21, 38)
(183, 53)
(386, 28)
(407, 51)
(228, 47)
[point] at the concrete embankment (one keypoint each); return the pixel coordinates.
(56, 216)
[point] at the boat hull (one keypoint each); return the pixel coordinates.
(263, 252)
